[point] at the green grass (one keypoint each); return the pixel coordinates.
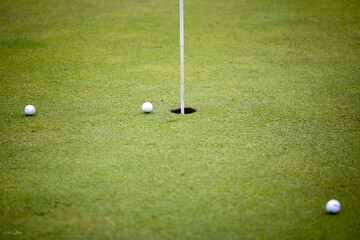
(277, 89)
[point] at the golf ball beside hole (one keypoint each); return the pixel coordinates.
(333, 206)
(147, 107)
(29, 110)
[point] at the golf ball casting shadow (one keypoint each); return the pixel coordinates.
(29, 110)
(333, 206)
(147, 107)
(186, 110)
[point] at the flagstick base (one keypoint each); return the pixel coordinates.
(182, 79)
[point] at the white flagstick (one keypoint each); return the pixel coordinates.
(182, 55)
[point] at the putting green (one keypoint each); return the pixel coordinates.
(275, 135)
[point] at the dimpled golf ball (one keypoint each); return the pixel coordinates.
(29, 110)
(147, 107)
(333, 206)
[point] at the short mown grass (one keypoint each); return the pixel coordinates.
(276, 86)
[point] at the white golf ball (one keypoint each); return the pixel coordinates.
(147, 107)
(29, 110)
(333, 206)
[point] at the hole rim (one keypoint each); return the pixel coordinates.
(188, 110)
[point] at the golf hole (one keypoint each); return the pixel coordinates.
(187, 110)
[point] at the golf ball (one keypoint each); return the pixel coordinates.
(147, 107)
(333, 206)
(29, 110)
